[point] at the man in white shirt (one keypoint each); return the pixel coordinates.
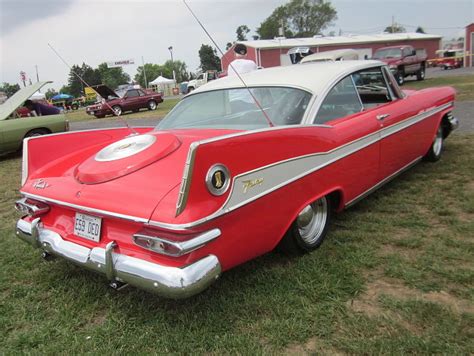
(241, 65)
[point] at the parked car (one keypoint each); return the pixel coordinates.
(132, 100)
(14, 128)
(202, 78)
(219, 182)
(450, 59)
(335, 55)
(403, 61)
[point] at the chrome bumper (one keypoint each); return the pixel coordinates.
(454, 122)
(169, 282)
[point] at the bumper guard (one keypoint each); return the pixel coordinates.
(169, 282)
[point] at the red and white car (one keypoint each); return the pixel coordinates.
(219, 182)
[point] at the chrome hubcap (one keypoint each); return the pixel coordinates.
(152, 105)
(438, 142)
(117, 111)
(312, 220)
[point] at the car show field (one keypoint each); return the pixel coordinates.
(395, 275)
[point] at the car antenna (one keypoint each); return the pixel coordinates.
(270, 123)
(132, 130)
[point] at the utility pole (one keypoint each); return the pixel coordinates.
(144, 73)
(170, 48)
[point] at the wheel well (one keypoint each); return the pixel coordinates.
(336, 200)
(446, 125)
(45, 129)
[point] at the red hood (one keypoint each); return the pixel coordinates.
(132, 185)
(390, 61)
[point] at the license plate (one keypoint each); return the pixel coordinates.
(87, 226)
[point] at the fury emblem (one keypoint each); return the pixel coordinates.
(40, 184)
(248, 184)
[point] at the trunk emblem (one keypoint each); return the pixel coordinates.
(40, 184)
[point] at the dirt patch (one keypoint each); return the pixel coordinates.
(390, 250)
(311, 347)
(368, 302)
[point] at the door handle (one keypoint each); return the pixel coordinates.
(382, 116)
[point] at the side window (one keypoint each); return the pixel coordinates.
(132, 93)
(342, 100)
(406, 52)
(372, 87)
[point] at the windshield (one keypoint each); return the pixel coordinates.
(235, 109)
(388, 53)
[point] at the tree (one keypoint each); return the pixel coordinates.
(228, 45)
(112, 77)
(298, 18)
(87, 73)
(241, 32)
(9, 89)
(395, 28)
(152, 71)
(420, 29)
(209, 59)
(50, 93)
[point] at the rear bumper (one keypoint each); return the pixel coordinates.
(169, 282)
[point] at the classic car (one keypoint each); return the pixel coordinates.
(403, 61)
(229, 174)
(132, 100)
(14, 128)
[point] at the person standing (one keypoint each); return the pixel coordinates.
(241, 64)
(39, 109)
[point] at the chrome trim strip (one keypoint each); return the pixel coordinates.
(169, 282)
(382, 182)
(183, 247)
(24, 161)
(189, 164)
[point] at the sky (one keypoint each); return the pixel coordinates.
(96, 31)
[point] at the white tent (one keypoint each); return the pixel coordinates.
(162, 85)
(161, 81)
(38, 96)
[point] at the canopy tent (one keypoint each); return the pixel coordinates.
(38, 96)
(163, 85)
(62, 97)
(161, 81)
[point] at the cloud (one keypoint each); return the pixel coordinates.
(17, 13)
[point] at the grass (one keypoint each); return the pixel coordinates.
(395, 275)
(464, 85)
(161, 111)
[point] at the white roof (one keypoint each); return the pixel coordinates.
(313, 77)
(336, 54)
(337, 40)
(161, 80)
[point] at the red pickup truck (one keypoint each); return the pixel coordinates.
(403, 61)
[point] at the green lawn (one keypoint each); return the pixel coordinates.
(464, 85)
(395, 275)
(161, 111)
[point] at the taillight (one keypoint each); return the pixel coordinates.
(151, 240)
(31, 207)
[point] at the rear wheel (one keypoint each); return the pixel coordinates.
(400, 77)
(436, 149)
(117, 110)
(420, 75)
(309, 229)
(152, 105)
(37, 132)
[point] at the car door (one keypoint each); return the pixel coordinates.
(131, 100)
(401, 139)
(356, 135)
